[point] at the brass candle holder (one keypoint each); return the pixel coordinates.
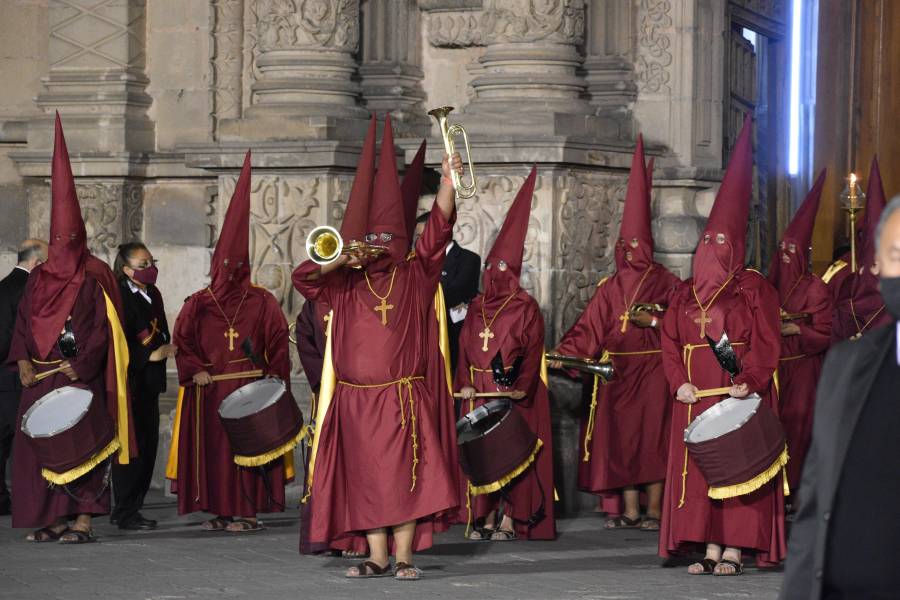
(852, 201)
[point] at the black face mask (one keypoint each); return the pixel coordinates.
(890, 293)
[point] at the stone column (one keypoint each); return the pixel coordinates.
(531, 66)
(305, 70)
(391, 68)
(609, 47)
(96, 79)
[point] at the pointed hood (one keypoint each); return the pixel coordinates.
(722, 248)
(509, 246)
(411, 189)
(356, 215)
(634, 250)
(791, 261)
(230, 268)
(386, 210)
(59, 280)
(875, 203)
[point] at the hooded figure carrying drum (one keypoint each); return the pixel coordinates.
(70, 351)
(723, 298)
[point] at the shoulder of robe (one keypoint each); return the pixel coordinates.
(752, 282)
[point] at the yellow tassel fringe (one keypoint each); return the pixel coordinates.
(739, 489)
(264, 459)
(82, 469)
(496, 486)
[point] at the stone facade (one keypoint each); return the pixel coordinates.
(161, 99)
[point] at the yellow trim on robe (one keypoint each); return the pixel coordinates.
(440, 309)
(172, 464)
(602, 281)
(76, 472)
(326, 394)
(833, 270)
(120, 353)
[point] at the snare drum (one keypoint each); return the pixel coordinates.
(495, 445)
(69, 432)
(738, 445)
(262, 421)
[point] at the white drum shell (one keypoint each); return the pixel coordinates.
(728, 415)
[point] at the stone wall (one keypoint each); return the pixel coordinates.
(161, 99)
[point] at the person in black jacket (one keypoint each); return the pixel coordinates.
(31, 254)
(459, 278)
(149, 346)
(843, 542)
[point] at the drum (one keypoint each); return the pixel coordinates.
(495, 444)
(69, 431)
(739, 444)
(262, 421)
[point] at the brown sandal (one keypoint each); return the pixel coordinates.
(738, 568)
(402, 566)
(45, 534)
(622, 522)
(708, 564)
(368, 569)
(649, 524)
(77, 537)
(216, 524)
(242, 525)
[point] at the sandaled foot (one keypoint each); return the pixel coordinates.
(367, 569)
(77, 536)
(216, 524)
(649, 524)
(407, 572)
(622, 522)
(481, 534)
(244, 526)
(503, 535)
(728, 568)
(46, 534)
(705, 567)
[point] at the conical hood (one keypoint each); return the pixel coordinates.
(635, 235)
(356, 215)
(509, 246)
(411, 189)
(875, 203)
(386, 211)
(722, 246)
(230, 269)
(59, 280)
(792, 259)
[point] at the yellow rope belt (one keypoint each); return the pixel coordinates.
(687, 353)
(402, 383)
(790, 358)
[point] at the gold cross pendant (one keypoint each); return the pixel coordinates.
(231, 334)
(383, 308)
(702, 321)
(486, 335)
(624, 319)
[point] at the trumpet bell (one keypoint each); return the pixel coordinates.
(324, 244)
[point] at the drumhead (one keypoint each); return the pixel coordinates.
(56, 411)
(481, 421)
(251, 398)
(726, 416)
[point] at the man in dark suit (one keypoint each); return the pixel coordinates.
(844, 540)
(31, 254)
(459, 278)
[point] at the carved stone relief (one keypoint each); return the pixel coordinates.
(227, 58)
(95, 35)
(654, 41)
(523, 21)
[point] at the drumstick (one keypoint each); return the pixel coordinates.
(46, 374)
(510, 394)
(238, 375)
(722, 391)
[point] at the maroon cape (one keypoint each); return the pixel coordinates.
(630, 437)
(207, 478)
(747, 309)
(518, 331)
(861, 310)
(386, 414)
(35, 503)
(800, 365)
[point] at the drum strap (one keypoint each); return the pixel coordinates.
(403, 384)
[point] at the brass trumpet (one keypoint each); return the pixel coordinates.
(604, 370)
(448, 132)
(644, 307)
(786, 316)
(324, 244)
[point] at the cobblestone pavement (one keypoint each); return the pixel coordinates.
(178, 561)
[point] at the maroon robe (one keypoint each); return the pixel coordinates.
(861, 310)
(518, 331)
(747, 309)
(385, 412)
(800, 365)
(35, 502)
(630, 437)
(310, 334)
(207, 478)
